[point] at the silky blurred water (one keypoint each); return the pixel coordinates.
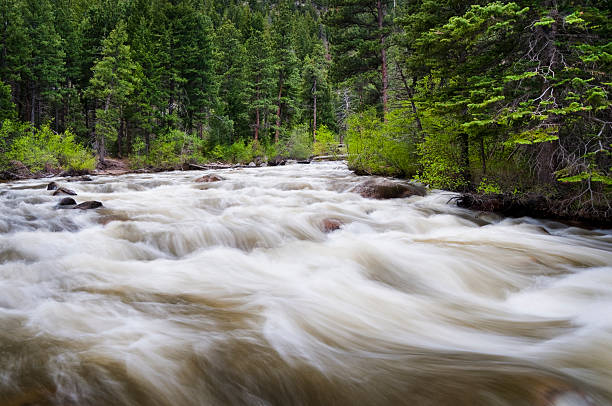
(230, 293)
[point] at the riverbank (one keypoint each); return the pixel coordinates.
(113, 166)
(507, 205)
(536, 206)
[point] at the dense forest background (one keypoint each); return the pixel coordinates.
(496, 97)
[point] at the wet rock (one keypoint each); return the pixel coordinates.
(276, 161)
(63, 190)
(210, 178)
(263, 164)
(304, 162)
(252, 164)
(330, 225)
(52, 186)
(67, 201)
(381, 188)
(91, 204)
(81, 179)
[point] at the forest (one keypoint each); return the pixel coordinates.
(503, 97)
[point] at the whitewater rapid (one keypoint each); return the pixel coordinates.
(185, 293)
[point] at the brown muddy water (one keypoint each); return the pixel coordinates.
(231, 293)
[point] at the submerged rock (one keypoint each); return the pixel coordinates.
(330, 225)
(63, 190)
(381, 188)
(67, 201)
(91, 204)
(52, 186)
(210, 178)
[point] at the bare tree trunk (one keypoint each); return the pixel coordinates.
(120, 135)
(411, 99)
(383, 54)
(33, 106)
(347, 112)
(314, 111)
(278, 112)
(465, 156)
(128, 139)
(482, 155)
(101, 137)
(256, 123)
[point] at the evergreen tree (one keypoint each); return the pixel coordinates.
(112, 82)
(359, 31)
(261, 74)
(231, 59)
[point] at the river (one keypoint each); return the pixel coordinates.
(231, 293)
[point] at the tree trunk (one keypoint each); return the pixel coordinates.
(411, 99)
(465, 156)
(278, 111)
(314, 111)
(482, 155)
(102, 137)
(120, 136)
(33, 105)
(256, 123)
(128, 139)
(383, 54)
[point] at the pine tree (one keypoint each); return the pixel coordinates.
(113, 81)
(231, 59)
(359, 31)
(261, 74)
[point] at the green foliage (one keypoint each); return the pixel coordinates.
(439, 164)
(114, 79)
(383, 147)
(174, 148)
(43, 148)
(7, 107)
(488, 187)
(298, 144)
(326, 142)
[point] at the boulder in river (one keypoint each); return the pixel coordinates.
(277, 160)
(210, 178)
(91, 204)
(83, 178)
(67, 201)
(382, 188)
(63, 190)
(252, 164)
(52, 186)
(330, 225)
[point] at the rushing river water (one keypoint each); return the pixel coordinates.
(231, 293)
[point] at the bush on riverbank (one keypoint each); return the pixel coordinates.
(41, 149)
(382, 147)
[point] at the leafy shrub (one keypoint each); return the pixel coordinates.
(38, 148)
(298, 144)
(488, 187)
(165, 149)
(385, 148)
(326, 142)
(439, 164)
(173, 148)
